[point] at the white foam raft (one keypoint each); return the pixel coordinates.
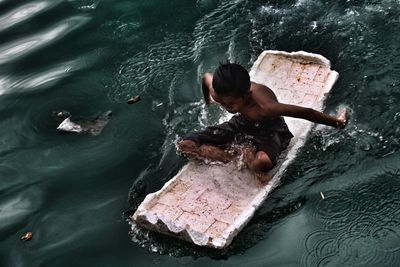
(209, 204)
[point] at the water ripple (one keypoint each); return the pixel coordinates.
(47, 77)
(20, 48)
(150, 71)
(233, 17)
(15, 209)
(359, 225)
(85, 4)
(25, 12)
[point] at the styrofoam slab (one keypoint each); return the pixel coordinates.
(209, 204)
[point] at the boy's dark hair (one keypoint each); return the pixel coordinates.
(231, 79)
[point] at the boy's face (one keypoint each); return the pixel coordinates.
(233, 104)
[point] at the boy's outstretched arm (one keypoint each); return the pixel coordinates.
(279, 109)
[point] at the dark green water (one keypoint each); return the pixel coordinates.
(74, 192)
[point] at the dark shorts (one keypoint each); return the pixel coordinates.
(270, 136)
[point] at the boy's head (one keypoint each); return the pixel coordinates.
(231, 79)
(231, 82)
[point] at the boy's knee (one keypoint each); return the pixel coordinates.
(261, 162)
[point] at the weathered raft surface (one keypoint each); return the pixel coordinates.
(209, 204)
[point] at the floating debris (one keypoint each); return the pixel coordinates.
(322, 195)
(27, 236)
(133, 99)
(93, 127)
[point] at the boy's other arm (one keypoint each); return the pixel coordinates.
(208, 91)
(279, 109)
(206, 84)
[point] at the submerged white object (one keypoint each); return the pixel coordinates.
(69, 126)
(93, 127)
(209, 204)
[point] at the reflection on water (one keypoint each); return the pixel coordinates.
(46, 78)
(87, 56)
(27, 45)
(25, 12)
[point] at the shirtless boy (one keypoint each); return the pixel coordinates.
(258, 125)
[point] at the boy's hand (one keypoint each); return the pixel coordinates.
(342, 118)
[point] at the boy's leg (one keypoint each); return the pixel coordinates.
(193, 151)
(209, 143)
(262, 157)
(258, 161)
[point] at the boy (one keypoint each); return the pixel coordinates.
(258, 125)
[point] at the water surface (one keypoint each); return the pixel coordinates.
(88, 56)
